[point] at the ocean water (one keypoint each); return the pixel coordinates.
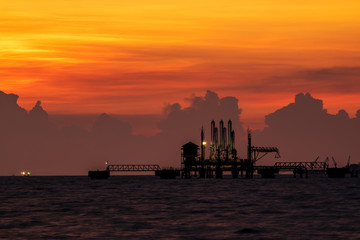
(146, 207)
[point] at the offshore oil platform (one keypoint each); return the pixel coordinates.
(223, 158)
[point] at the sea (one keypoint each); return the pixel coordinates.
(146, 207)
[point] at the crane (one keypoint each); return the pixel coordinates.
(348, 162)
(312, 164)
(334, 162)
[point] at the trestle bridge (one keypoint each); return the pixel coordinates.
(133, 167)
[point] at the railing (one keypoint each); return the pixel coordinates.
(307, 165)
(133, 168)
(264, 149)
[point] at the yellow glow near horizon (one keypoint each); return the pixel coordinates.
(135, 56)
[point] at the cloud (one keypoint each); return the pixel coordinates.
(358, 114)
(107, 125)
(304, 130)
(201, 112)
(30, 140)
(37, 145)
(13, 117)
(184, 124)
(337, 80)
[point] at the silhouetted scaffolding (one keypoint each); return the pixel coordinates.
(223, 155)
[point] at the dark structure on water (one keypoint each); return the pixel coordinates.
(223, 157)
(103, 174)
(336, 172)
(162, 173)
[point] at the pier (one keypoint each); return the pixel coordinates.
(169, 173)
(223, 157)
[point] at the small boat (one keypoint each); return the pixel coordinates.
(25, 174)
(103, 174)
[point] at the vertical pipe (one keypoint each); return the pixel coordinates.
(232, 139)
(212, 133)
(225, 146)
(249, 146)
(230, 143)
(233, 150)
(202, 144)
(212, 144)
(216, 136)
(221, 131)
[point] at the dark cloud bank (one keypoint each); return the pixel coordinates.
(31, 141)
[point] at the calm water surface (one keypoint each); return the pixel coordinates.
(145, 207)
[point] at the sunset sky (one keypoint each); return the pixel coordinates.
(134, 57)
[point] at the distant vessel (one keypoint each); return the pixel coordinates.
(103, 174)
(25, 174)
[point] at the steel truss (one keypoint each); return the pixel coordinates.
(304, 165)
(133, 168)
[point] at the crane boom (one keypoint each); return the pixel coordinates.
(334, 161)
(348, 162)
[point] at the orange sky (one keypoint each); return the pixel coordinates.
(134, 57)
